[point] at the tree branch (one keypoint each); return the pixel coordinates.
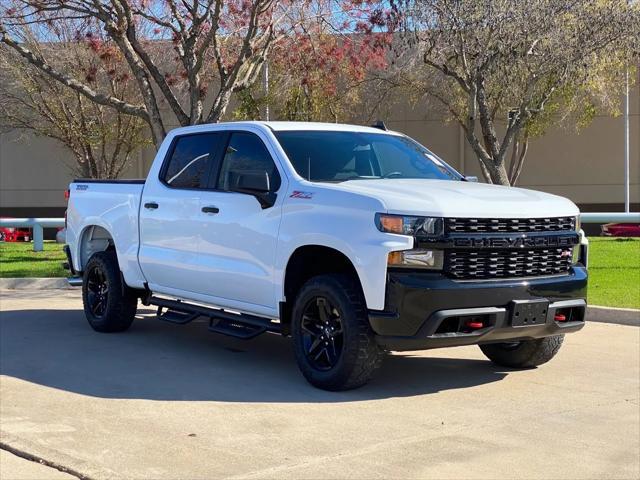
(40, 63)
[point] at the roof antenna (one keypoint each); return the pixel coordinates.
(380, 125)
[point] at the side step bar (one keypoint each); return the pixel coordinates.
(239, 325)
(176, 316)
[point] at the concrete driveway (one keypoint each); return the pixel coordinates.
(163, 401)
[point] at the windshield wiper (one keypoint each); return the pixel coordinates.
(361, 177)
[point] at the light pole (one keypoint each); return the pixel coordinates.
(626, 141)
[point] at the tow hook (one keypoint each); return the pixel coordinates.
(474, 324)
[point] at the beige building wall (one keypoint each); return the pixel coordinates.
(587, 166)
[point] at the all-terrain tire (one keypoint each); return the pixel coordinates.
(109, 305)
(525, 354)
(360, 355)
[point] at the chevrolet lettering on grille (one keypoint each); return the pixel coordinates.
(517, 242)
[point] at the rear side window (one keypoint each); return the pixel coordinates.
(246, 154)
(191, 160)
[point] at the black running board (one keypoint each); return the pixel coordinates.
(239, 325)
(176, 316)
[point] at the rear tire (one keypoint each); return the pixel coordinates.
(334, 344)
(524, 354)
(109, 305)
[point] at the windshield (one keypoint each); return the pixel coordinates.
(330, 156)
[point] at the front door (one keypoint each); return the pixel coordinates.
(238, 233)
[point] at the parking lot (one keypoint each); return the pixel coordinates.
(165, 401)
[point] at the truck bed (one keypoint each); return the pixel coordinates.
(114, 206)
(135, 181)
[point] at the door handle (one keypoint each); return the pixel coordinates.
(151, 205)
(210, 209)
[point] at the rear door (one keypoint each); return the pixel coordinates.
(170, 216)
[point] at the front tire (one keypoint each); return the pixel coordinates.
(524, 354)
(109, 305)
(334, 344)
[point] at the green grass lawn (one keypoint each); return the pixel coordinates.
(614, 272)
(614, 268)
(19, 260)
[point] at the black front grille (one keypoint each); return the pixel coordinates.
(509, 225)
(488, 264)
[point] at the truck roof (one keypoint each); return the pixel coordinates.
(343, 127)
(287, 126)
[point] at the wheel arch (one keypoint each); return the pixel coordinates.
(308, 261)
(93, 238)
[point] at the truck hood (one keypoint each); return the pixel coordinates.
(446, 198)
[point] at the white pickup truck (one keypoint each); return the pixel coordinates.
(351, 240)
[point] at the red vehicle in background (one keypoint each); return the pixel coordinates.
(621, 229)
(10, 234)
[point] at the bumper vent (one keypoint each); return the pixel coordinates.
(509, 225)
(472, 265)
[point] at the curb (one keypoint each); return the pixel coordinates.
(29, 283)
(621, 316)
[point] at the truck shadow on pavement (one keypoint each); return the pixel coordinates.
(159, 361)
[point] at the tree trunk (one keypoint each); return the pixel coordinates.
(517, 158)
(220, 105)
(497, 172)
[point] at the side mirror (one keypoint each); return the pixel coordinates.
(254, 183)
(251, 182)
(470, 178)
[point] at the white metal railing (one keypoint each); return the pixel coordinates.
(610, 217)
(36, 224)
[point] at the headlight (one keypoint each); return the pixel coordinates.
(417, 258)
(405, 225)
(577, 223)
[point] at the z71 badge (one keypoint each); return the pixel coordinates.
(300, 194)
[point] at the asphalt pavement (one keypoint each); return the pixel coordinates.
(173, 402)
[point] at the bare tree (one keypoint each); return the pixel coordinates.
(217, 47)
(498, 66)
(102, 140)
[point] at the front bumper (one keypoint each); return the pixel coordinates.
(418, 303)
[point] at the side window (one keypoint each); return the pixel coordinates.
(246, 154)
(191, 160)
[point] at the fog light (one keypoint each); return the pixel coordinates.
(417, 258)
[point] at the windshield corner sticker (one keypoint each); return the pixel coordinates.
(301, 194)
(82, 187)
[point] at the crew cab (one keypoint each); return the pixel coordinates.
(351, 240)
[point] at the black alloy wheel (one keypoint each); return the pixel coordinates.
(322, 333)
(333, 342)
(109, 304)
(97, 291)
